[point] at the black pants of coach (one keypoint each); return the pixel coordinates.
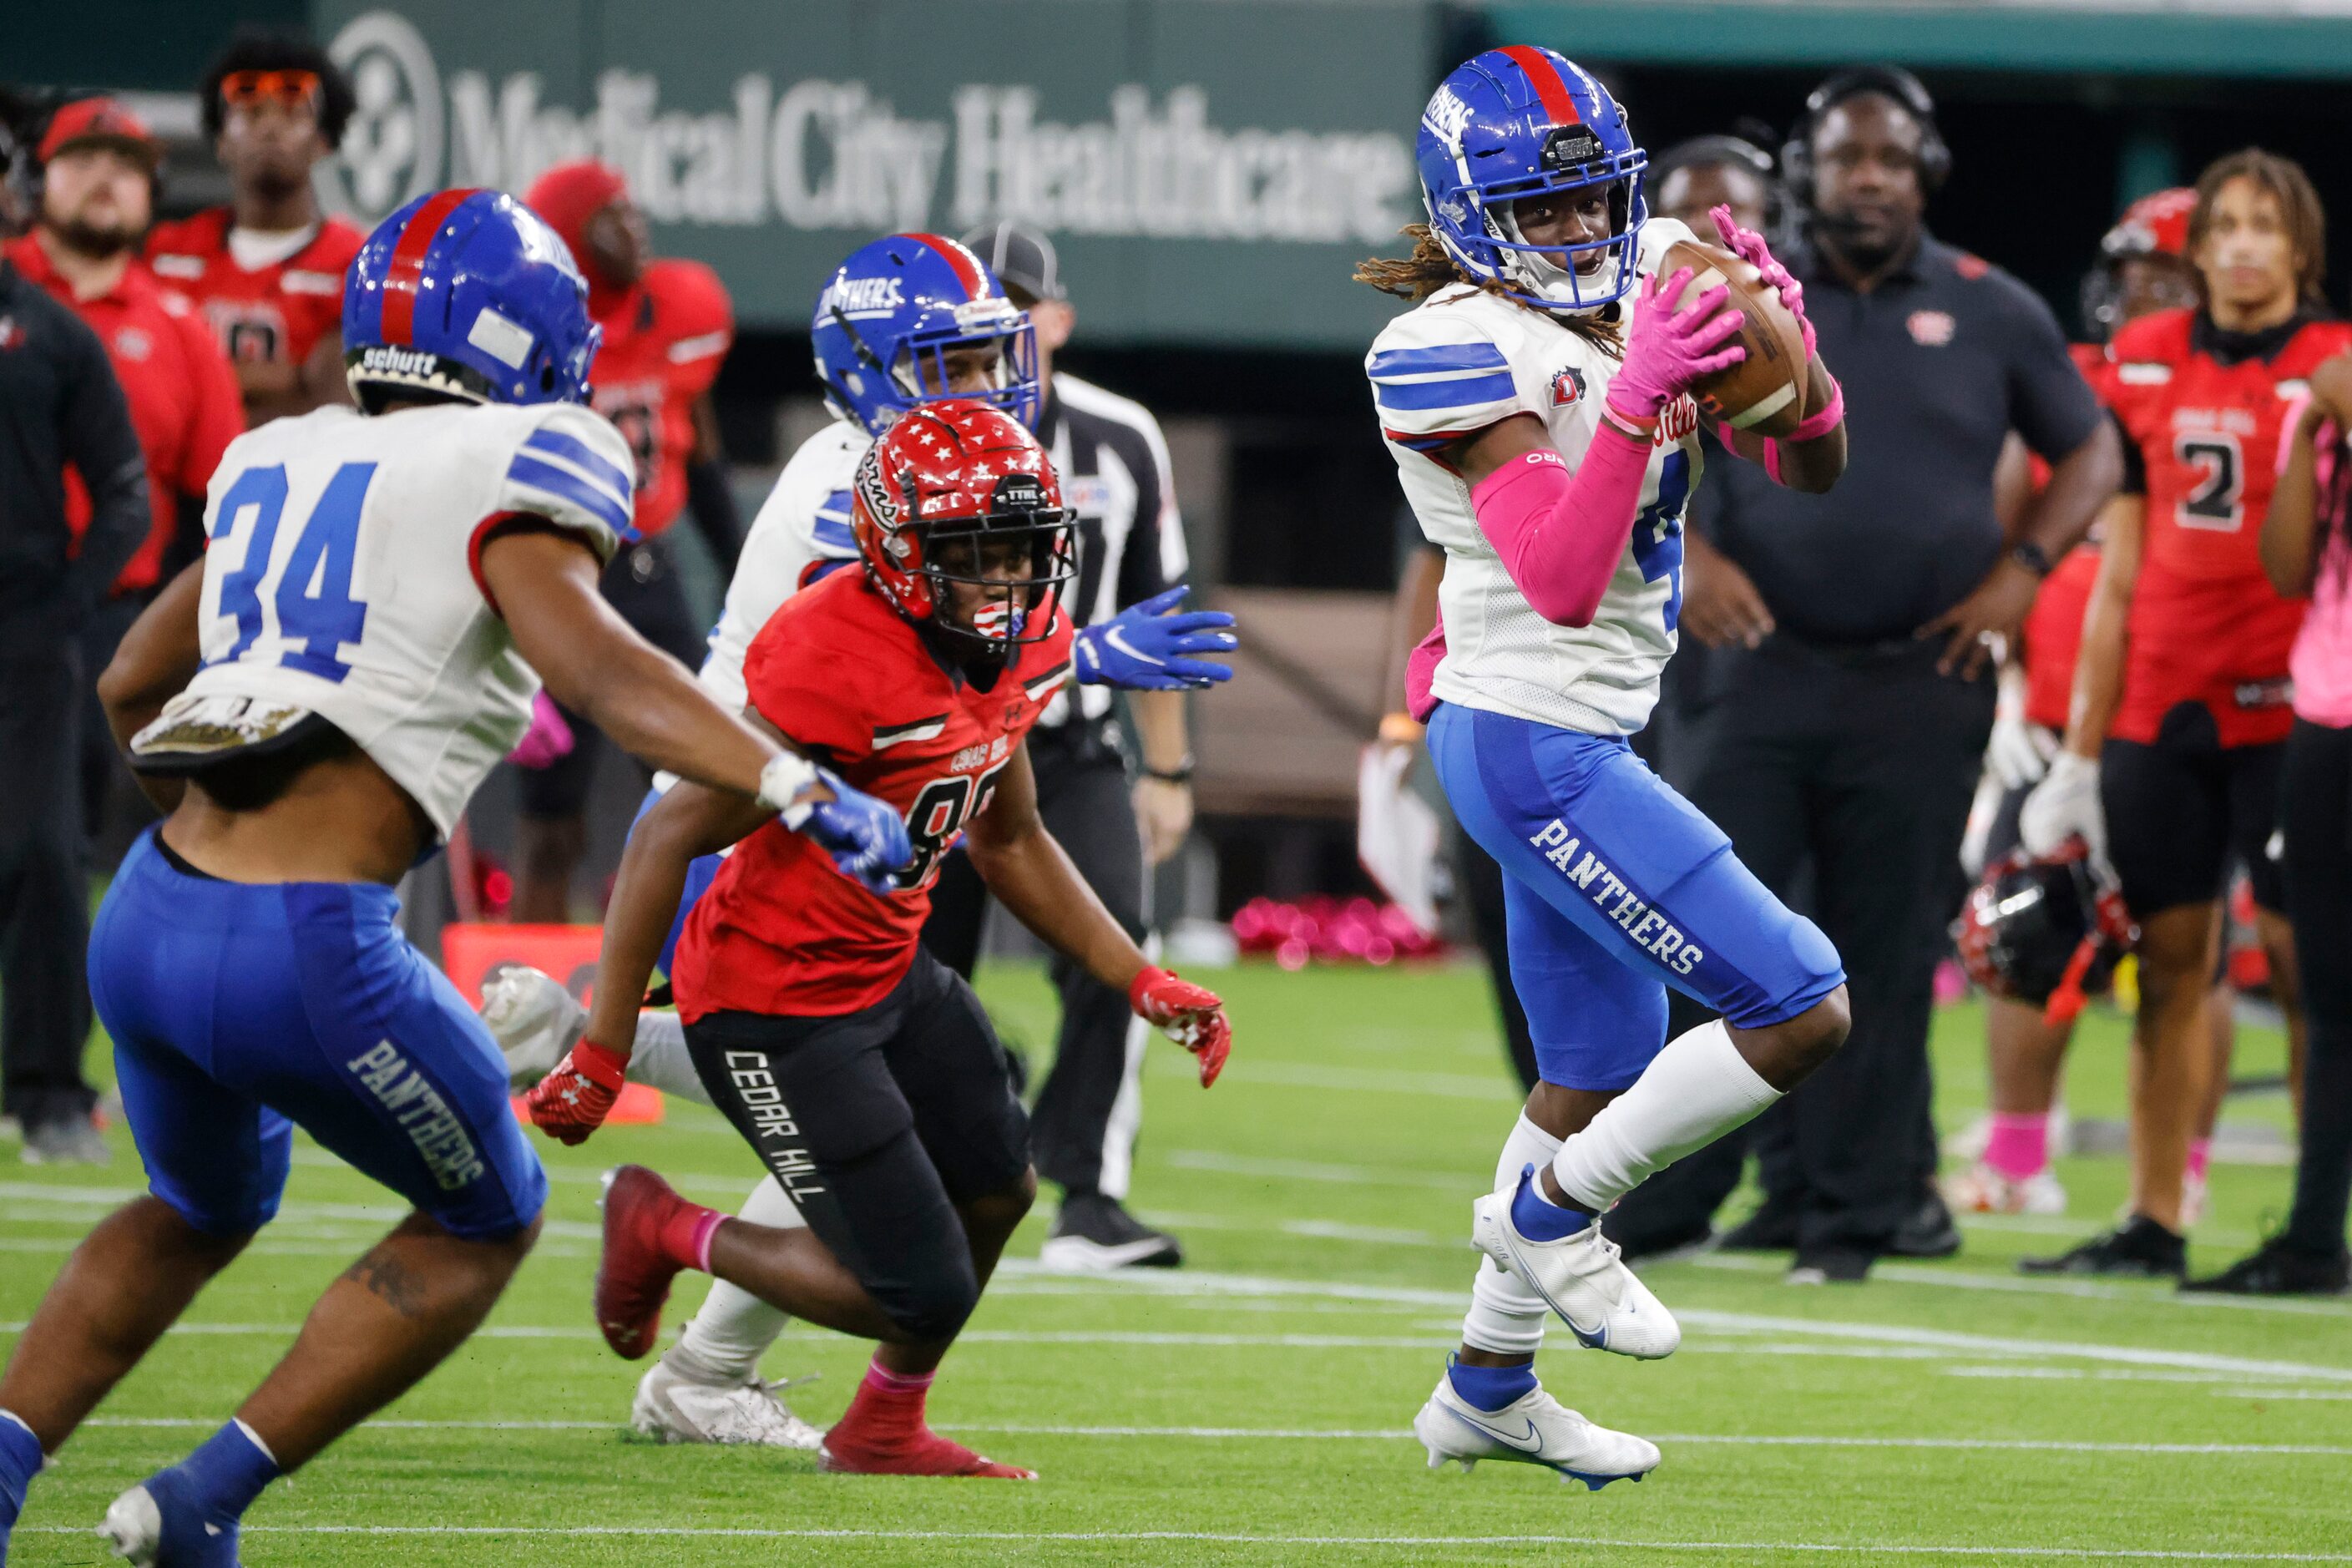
(44, 891)
(1861, 765)
(2317, 817)
(1082, 1126)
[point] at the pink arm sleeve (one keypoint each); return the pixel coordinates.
(1560, 536)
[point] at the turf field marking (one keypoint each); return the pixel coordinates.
(1223, 1538)
(2147, 1294)
(1391, 1435)
(1202, 1282)
(2281, 1392)
(1316, 1171)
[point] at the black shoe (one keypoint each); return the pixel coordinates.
(1928, 1232)
(2139, 1249)
(2280, 1268)
(1829, 1266)
(1769, 1229)
(1096, 1234)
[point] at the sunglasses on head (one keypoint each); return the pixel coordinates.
(285, 89)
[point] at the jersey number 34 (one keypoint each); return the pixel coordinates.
(311, 614)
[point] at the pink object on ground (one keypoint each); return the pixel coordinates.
(2018, 1145)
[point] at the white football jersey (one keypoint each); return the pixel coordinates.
(804, 520)
(1462, 360)
(342, 580)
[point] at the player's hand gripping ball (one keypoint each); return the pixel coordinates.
(1191, 1016)
(572, 1101)
(1763, 392)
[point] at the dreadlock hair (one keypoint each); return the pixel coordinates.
(261, 49)
(2298, 205)
(1432, 267)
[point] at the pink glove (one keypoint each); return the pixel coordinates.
(1749, 246)
(548, 741)
(1666, 350)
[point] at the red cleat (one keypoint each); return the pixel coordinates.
(921, 1452)
(633, 1275)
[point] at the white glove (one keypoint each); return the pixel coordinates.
(2064, 804)
(2019, 751)
(534, 1020)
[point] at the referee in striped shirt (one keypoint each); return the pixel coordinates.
(1114, 466)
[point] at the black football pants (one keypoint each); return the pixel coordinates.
(1084, 1124)
(44, 888)
(2317, 817)
(1863, 763)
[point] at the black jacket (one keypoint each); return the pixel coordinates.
(59, 406)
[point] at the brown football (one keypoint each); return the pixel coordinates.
(1764, 393)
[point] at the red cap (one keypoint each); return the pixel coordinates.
(102, 120)
(569, 195)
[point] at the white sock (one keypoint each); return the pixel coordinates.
(726, 1339)
(1697, 1089)
(659, 1058)
(1505, 1315)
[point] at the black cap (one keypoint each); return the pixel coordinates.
(1022, 259)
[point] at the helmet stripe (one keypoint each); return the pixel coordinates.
(404, 272)
(1545, 77)
(966, 264)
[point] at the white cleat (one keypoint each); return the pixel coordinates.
(534, 1020)
(1581, 1278)
(1980, 1189)
(674, 1410)
(133, 1527)
(1534, 1429)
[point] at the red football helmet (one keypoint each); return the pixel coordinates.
(2156, 225)
(962, 468)
(2047, 929)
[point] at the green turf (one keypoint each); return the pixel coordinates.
(1322, 1192)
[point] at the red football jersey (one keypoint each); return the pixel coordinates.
(182, 394)
(272, 315)
(2054, 627)
(2206, 625)
(662, 346)
(837, 669)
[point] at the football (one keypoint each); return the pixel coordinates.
(1764, 393)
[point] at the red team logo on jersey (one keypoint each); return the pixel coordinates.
(1567, 387)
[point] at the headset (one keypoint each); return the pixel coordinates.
(1894, 83)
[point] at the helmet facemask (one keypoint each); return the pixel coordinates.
(919, 371)
(954, 554)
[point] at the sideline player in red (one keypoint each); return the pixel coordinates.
(97, 196)
(861, 1068)
(2180, 708)
(2143, 267)
(668, 326)
(268, 269)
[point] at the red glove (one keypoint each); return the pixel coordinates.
(572, 1101)
(1191, 1016)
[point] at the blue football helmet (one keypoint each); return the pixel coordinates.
(891, 314)
(467, 295)
(1522, 122)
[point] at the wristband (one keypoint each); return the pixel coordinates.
(605, 1070)
(1814, 427)
(1631, 427)
(782, 781)
(2031, 556)
(1180, 773)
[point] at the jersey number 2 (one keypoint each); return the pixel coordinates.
(2213, 501)
(312, 613)
(1658, 533)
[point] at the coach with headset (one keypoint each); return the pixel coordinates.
(1851, 691)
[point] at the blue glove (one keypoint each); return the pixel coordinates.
(1150, 647)
(866, 838)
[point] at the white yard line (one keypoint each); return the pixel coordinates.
(1388, 1435)
(1236, 1537)
(1316, 1171)
(2147, 1294)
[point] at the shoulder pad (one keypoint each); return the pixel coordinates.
(1438, 375)
(570, 465)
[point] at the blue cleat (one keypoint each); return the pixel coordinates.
(159, 1523)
